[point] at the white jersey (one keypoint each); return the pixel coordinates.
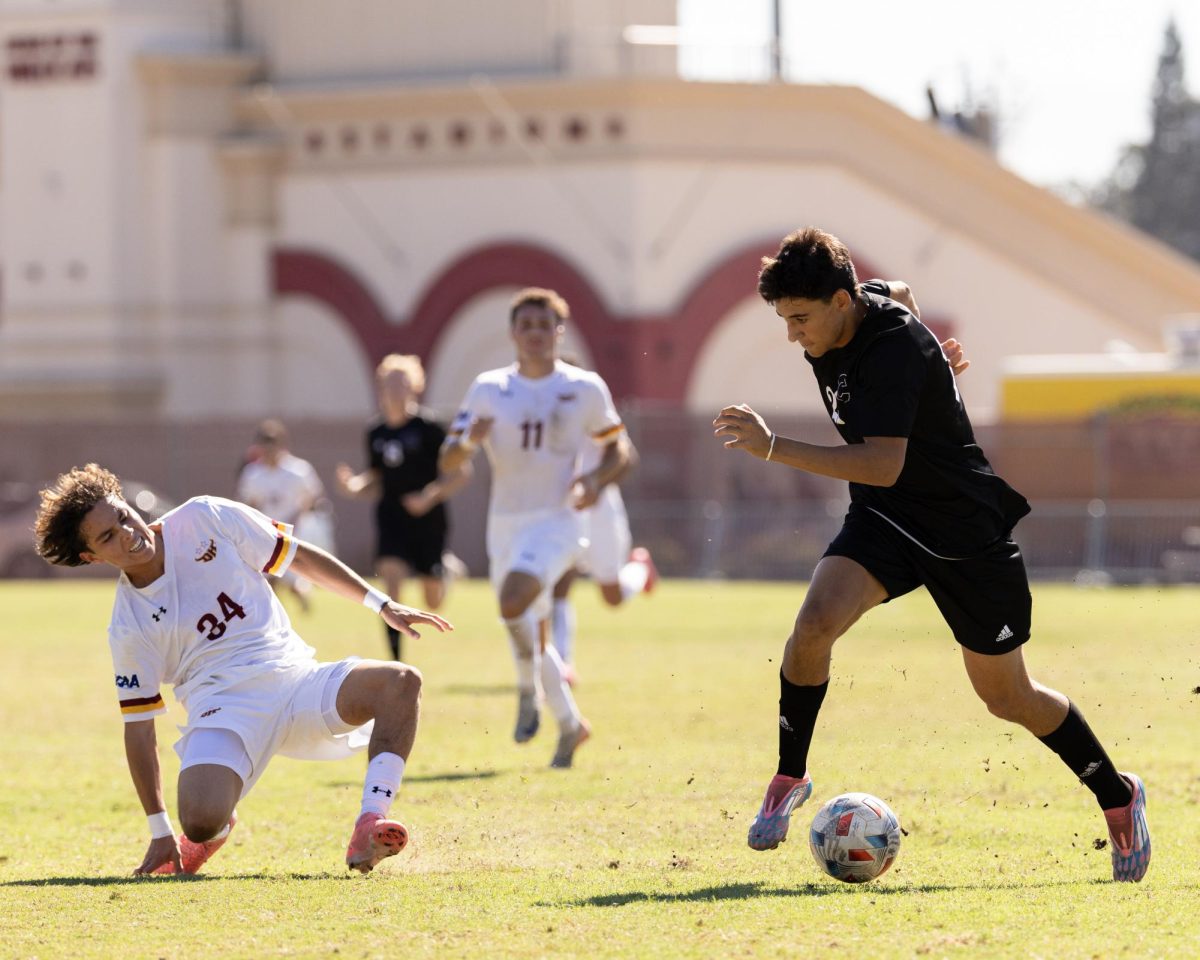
(284, 491)
(211, 620)
(541, 427)
(610, 499)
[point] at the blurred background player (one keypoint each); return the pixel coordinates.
(285, 488)
(411, 519)
(534, 418)
(619, 569)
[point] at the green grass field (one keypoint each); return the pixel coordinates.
(640, 850)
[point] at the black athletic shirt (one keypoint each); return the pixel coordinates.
(405, 456)
(892, 380)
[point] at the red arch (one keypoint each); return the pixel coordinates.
(520, 265)
(310, 273)
(648, 357)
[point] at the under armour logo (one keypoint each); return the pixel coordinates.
(158, 616)
(384, 790)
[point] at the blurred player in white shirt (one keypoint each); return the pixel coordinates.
(194, 610)
(534, 418)
(284, 487)
(620, 570)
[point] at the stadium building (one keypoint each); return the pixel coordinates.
(215, 211)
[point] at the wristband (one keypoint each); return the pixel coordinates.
(375, 599)
(771, 449)
(160, 825)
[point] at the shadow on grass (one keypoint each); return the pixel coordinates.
(129, 880)
(750, 891)
(428, 778)
(480, 690)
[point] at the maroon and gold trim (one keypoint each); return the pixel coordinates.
(142, 705)
(285, 549)
(610, 433)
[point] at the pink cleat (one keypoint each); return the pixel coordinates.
(375, 838)
(642, 555)
(195, 855)
(1129, 834)
(770, 827)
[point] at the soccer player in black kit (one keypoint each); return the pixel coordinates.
(926, 508)
(402, 471)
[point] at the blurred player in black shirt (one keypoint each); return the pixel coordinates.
(926, 508)
(402, 471)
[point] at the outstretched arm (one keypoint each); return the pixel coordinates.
(876, 461)
(141, 753)
(326, 570)
(420, 502)
(357, 485)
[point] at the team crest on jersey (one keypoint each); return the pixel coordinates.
(206, 551)
(841, 395)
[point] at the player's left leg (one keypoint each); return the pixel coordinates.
(390, 695)
(215, 767)
(1004, 685)
(392, 570)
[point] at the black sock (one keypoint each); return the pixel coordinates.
(1079, 749)
(393, 636)
(798, 708)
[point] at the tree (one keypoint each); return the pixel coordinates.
(1156, 185)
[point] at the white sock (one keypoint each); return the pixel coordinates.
(564, 628)
(632, 578)
(223, 832)
(523, 637)
(383, 780)
(558, 694)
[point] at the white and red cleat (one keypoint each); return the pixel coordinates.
(375, 838)
(642, 555)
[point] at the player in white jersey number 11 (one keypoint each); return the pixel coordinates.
(535, 418)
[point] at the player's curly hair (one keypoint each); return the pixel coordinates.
(539, 297)
(62, 509)
(811, 264)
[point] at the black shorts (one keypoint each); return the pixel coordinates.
(985, 599)
(418, 541)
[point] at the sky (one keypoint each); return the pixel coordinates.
(1070, 80)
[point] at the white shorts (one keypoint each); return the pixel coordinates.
(291, 711)
(606, 526)
(543, 545)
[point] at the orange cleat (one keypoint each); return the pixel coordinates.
(195, 855)
(375, 838)
(642, 555)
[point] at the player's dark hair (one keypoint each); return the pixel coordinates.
(811, 264)
(538, 297)
(62, 509)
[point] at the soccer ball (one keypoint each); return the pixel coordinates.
(855, 837)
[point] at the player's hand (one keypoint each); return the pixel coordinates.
(953, 351)
(162, 850)
(417, 503)
(402, 618)
(743, 429)
(344, 475)
(585, 491)
(480, 428)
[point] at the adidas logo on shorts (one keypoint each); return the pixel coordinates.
(1005, 634)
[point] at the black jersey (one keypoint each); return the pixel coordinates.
(892, 380)
(405, 456)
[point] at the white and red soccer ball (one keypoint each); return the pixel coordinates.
(855, 837)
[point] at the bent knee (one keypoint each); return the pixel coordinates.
(201, 825)
(817, 625)
(611, 592)
(405, 681)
